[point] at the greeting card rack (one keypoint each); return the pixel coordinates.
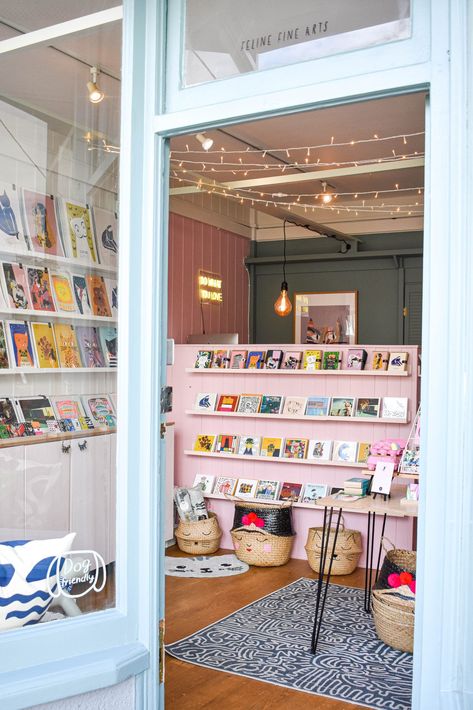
(188, 382)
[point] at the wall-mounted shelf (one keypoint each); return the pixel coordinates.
(270, 459)
(59, 263)
(55, 370)
(302, 417)
(63, 436)
(340, 373)
(20, 313)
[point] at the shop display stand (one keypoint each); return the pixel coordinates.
(188, 381)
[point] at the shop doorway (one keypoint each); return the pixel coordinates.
(343, 187)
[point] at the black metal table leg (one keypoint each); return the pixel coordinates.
(322, 596)
(368, 542)
(369, 557)
(380, 546)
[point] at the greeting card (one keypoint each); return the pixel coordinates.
(41, 223)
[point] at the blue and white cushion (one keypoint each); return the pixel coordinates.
(25, 590)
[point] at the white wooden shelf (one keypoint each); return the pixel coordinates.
(20, 313)
(340, 373)
(311, 506)
(302, 417)
(275, 459)
(63, 263)
(55, 370)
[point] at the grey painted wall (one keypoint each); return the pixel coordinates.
(381, 283)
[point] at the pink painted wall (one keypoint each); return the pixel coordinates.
(192, 246)
(188, 384)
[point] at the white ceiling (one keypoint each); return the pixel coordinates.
(388, 212)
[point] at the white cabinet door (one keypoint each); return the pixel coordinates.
(47, 484)
(113, 495)
(12, 493)
(90, 494)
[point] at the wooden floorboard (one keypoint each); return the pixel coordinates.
(192, 604)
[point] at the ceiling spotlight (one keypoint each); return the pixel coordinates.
(327, 195)
(205, 142)
(96, 95)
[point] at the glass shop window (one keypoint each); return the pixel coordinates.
(224, 38)
(59, 246)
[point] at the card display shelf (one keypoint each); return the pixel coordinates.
(393, 506)
(340, 373)
(183, 376)
(56, 370)
(275, 459)
(57, 263)
(63, 436)
(20, 313)
(301, 417)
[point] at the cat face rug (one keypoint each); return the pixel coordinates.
(220, 566)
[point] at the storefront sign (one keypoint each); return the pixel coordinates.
(78, 567)
(210, 288)
(244, 36)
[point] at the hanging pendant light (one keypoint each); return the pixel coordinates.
(283, 305)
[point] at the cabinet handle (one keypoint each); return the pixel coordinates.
(83, 446)
(66, 448)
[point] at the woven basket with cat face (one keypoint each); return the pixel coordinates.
(201, 537)
(347, 550)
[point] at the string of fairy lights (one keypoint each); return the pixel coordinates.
(189, 171)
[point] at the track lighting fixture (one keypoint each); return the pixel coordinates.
(205, 142)
(96, 95)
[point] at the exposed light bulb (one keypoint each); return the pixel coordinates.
(204, 141)
(283, 305)
(96, 95)
(326, 197)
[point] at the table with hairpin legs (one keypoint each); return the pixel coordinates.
(372, 507)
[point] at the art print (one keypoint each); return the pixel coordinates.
(100, 410)
(41, 222)
(81, 295)
(314, 491)
(206, 401)
(249, 445)
(367, 407)
(4, 359)
(89, 346)
(106, 230)
(62, 292)
(66, 342)
(249, 403)
(342, 406)
(109, 344)
(295, 448)
(20, 343)
(70, 409)
(12, 238)
(15, 286)
(111, 287)
(325, 317)
(98, 296)
(319, 450)
(8, 413)
(40, 289)
(78, 233)
(45, 346)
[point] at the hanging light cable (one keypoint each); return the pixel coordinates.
(283, 305)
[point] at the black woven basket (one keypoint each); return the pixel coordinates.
(395, 562)
(277, 519)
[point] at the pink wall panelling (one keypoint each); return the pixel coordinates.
(188, 384)
(192, 246)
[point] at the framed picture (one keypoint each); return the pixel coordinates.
(326, 317)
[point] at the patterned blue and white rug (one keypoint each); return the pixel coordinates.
(269, 639)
